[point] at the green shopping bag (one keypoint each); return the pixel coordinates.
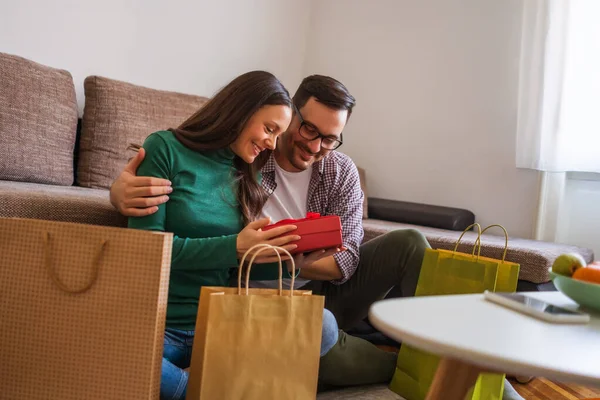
(446, 272)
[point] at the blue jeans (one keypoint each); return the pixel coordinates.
(177, 355)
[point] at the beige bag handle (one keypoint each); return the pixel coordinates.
(262, 247)
(54, 275)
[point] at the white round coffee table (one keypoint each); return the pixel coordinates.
(473, 335)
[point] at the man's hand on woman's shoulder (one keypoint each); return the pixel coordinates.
(138, 196)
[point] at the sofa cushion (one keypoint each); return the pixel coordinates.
(38, 122)
(118, 114)
(535, 257)
(58, 203)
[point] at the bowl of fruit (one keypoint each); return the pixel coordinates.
(577, 280)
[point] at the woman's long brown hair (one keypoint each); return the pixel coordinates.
(220, 122)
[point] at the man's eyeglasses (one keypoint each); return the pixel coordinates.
(309, 132)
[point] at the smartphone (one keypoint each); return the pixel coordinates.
(537, 308)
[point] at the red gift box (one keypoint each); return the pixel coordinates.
(316, 232)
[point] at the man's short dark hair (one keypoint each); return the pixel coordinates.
(327, 91)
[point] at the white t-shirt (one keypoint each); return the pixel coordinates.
(287, 201)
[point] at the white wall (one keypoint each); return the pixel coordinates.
(192, 46)
(436, 86)
(436, 80)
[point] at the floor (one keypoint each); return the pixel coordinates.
(543, 389)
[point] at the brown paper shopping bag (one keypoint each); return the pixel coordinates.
(256, 343)
(82, 310)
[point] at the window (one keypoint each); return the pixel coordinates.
(559, 88)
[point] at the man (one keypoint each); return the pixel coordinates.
(307, 174)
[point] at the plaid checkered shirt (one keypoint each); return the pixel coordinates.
(334, 189)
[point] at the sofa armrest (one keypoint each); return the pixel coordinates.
(455, 219)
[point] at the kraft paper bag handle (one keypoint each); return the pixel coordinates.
(277, 250)
(262, 247)
(479, 232)
(54, 275)
(478, 241)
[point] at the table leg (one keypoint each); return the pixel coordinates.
(452, 380)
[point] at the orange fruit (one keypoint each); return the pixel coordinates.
(588, 274)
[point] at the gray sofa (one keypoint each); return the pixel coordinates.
(54, 168)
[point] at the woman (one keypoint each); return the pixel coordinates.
(213, 161)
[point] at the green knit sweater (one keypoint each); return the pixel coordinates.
(202, 214)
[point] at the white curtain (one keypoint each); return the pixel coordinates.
(558, 126)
